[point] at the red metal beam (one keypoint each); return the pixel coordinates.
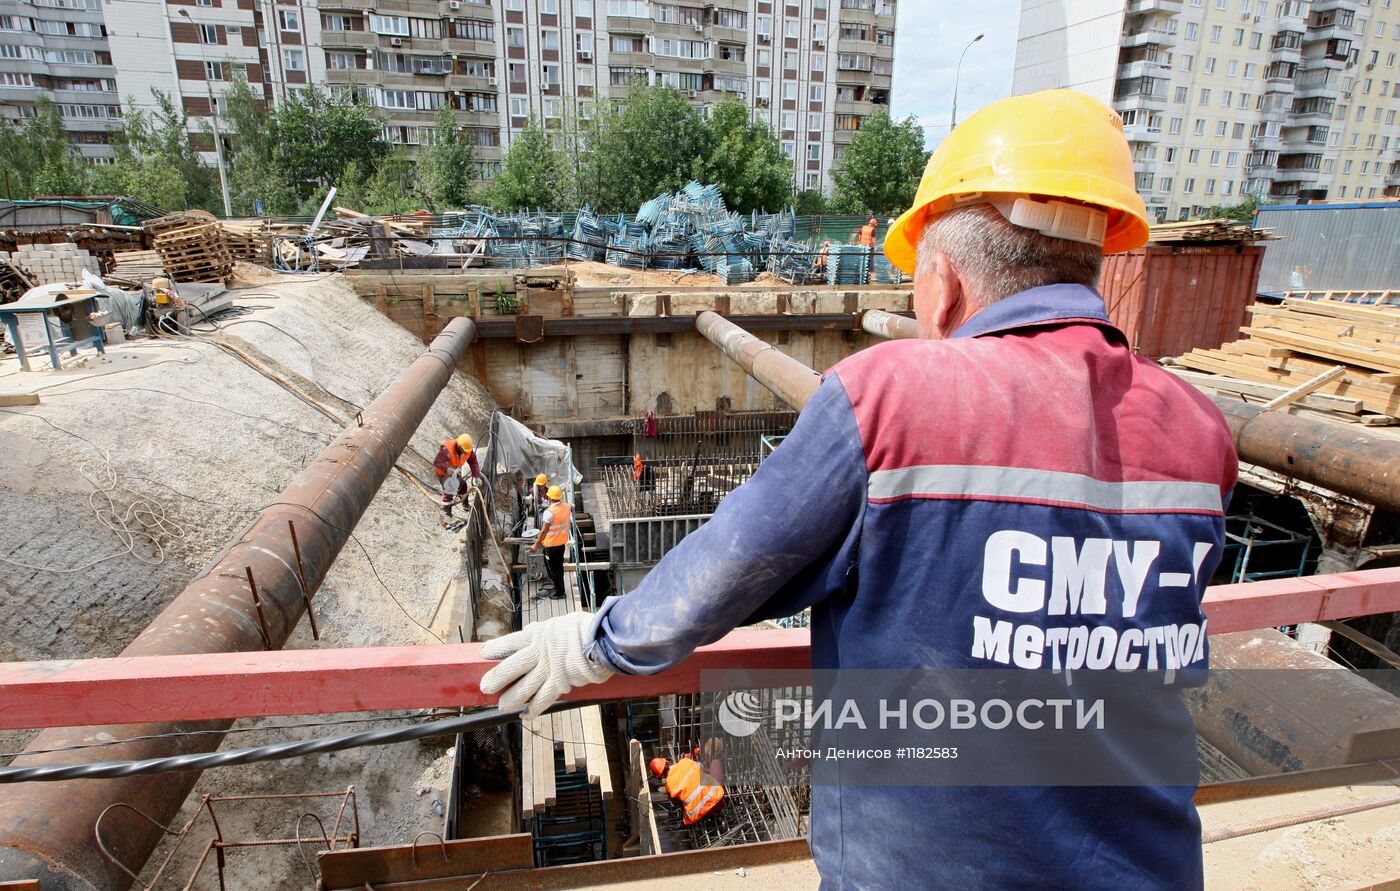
(303, 682)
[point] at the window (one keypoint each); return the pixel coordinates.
(1210, 64)
(398, 99)
(1193, 156)
(789, 61)
(515, 5)
(818, 62)
(342, 61)
(1215, 158)
(789, 91)
(430, 29)
(428, 101)
(338, 23)
(1238, 131)
(1188, 185)
(208, 34)
(814, 122)
(472, 29)
(1210, 187)
(790, 28)
(288, 19)
(679, 49)
(1227, 187)
(1249, 70)
(816, 93)
(789, 120)
(583, 75)
(1190, 30)
(1205, 96)
(549, 39)
(515, 38)
(1365, 167)
(731, 18)
(814, 180)
(552, 108)
(1346, 167)
(1165, 184)
(1175, 127)
(1238, 39)
(789, 150)
(550, 75)
(814, 151)
(1215, 31)
(549, 7)
(16, 79)
(1221, 127)
(764, 28)
(1226, 98)
(765, 58)
(1181, 94)
(1256, 40)
(214, 70)
(848, 122)
(515, 71)
(519, 108)
(394, 25)
(1186, 62)
(293, 58)
(1199, 128)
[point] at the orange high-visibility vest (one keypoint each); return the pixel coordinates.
(867, 234)
(692, 787)
(455, 457)
(637, 466)
(556, 530)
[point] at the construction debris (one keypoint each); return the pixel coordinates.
(1301, 343)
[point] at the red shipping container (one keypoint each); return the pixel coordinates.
(1171, 299)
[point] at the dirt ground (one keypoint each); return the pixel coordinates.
(136, 468)
(591, 274)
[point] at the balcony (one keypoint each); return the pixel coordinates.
(1266, 143)
(1148, 37)
(1141, 133)
(361, 40)
(1297, 175)
(1325, 5)
(1171, 7)
(1305, 87)
(1143, 68)
(1334, 31)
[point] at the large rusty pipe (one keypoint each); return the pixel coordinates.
(1345, 460)
(46, 829)
(784, 376)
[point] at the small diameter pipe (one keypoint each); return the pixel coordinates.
(888, 325)
(787, 378)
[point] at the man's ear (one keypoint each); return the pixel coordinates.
(951, 308)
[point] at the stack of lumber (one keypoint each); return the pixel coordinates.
(195, 253)
(14, 281)
(1207, 232)
(137, 266)
(1300, 341)
(182, 219)
(248, 240)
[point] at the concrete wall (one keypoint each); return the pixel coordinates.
(616, 375)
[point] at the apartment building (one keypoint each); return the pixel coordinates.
(59, 49)
(1223, 100)
(813, 69)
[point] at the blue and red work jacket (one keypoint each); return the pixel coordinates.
(919, 507)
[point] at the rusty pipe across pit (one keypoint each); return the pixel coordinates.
(1348, 461)
(888, 325)
(46, 830)
(787, 378)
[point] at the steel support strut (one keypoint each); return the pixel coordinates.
(46, 830)
(787, 378)
(1347, 461)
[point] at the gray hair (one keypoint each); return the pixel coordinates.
(998, 259)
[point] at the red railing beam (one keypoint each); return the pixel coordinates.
(211, 686)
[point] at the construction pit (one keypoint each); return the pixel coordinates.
(157, 473)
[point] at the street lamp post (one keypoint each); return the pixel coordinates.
(214, 115)
(957, 76)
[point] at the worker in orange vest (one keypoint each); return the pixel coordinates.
(692, 787)
(867, 233)
(451, 458)
(554, 535)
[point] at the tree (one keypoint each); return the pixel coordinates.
(880, 171)
(744, 159)
(1244, 212)
(253, 171)
(533, 173)
(446, 168)
(36, 157)
(156, 162)
(641, 148)
(315, 135)
(810, 203)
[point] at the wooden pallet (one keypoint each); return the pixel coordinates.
(1296, 343)
(195, 253)
(172, 222)
(250, 241)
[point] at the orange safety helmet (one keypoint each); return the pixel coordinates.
(658, 767)
(1055, 144)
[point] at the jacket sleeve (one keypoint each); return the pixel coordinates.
(781, 542)
(440, 463)
(476, 468)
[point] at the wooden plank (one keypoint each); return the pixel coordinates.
(1366, 357)
(527, 770)
(544, 769)
(13, 399)
(1267, 391)
(1303, 389)
(598, 754)
(356, 867)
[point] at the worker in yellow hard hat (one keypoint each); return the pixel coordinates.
(555, 528)
(1015, 490)
(455, 458)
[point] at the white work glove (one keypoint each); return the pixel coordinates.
(542, 663)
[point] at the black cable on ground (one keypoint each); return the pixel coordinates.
(277, 751)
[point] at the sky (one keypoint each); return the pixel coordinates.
(929, 35)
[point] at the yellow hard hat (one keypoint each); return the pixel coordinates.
(541, 480)
(1052, 144)
(464, 442)
(554, 494)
